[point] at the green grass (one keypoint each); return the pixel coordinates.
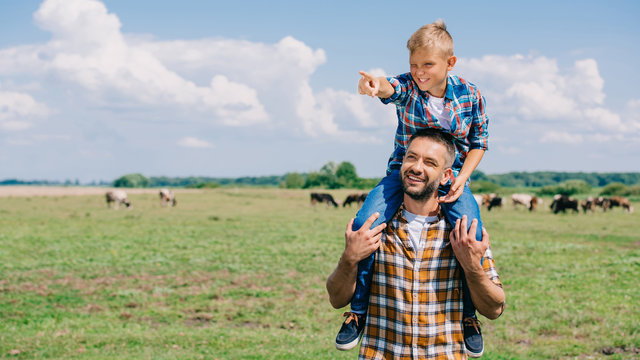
(239, 274)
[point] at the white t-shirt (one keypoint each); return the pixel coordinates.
(437, 109)
(416, 224)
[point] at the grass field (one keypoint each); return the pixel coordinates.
(239, 274)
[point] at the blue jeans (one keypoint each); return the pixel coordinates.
(386, 199)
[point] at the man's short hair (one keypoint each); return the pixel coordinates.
(432, 36)
(440, 137)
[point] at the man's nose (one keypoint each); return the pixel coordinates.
(417, 167)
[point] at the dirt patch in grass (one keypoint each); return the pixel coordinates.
(610, 350)
(48, 281)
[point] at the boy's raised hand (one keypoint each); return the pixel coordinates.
(368, 84)
(457, 188)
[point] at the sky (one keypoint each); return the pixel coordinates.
(92, 90)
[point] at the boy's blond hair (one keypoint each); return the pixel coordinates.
(433, 36)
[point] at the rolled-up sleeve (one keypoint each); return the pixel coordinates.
(400, 86)
(479, 131)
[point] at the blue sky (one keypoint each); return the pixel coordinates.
(92, 90)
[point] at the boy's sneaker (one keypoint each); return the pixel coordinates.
(350, 332)
(473, 337)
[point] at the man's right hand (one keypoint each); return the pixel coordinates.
(363, 242)
(368, 84)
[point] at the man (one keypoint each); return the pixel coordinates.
(415, 306)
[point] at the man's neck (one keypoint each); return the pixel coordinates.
(428, 207)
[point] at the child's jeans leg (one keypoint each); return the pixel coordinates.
(465, 205)
(385, 199)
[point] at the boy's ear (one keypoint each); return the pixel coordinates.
(446, 176)
(451, 61)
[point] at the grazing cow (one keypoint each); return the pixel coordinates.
(167, 197)
(588, 204)
(621, 201)
(525, 200)
(117, 197)
(535, 201)
(494, 201)
(355, 198)
(603, 202)
(323, 198)
(562, 203)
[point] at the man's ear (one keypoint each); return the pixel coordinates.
(446, 176)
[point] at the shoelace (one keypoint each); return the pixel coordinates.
(472, 322)
(351, 316)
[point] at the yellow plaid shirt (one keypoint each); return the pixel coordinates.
(415, 306)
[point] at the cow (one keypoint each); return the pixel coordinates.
(588, 204)
(494, 201)
(358, 198)
(323, 198)
(603, 202)
(622, 202)
(526, 200)
(117, 197)
(562, 203)
(167, 197)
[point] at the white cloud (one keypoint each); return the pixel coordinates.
(192, 142)
(561, 137)
(89, 50)
(17, 108)
(14, 125)
(532, 93)
(535, 87)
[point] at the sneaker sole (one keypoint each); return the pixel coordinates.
(474, 355)
(347, 346)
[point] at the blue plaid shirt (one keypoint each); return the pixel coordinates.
(469, 123)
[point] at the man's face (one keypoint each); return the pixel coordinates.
(429, 69)
(423, 168)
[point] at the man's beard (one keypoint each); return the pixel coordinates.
(425, 193)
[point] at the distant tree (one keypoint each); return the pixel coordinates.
(346, 174)
(293, 181)
(329, 168)
(132, 181)
(483, 187)
(313, 180)
(478, 175)
(569, 187)
(615, 188)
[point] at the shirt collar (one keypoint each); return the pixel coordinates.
(403, 220)
(449, 91)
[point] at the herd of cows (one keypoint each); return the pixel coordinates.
(119, 197)
(560, 203)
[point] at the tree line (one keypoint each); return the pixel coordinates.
(334, 175)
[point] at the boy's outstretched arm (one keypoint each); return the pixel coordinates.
(374, 86)
(457, 185)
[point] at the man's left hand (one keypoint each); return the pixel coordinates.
(468, 250)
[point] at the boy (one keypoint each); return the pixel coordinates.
(426, 97)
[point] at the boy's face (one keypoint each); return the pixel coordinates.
(429, 68)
